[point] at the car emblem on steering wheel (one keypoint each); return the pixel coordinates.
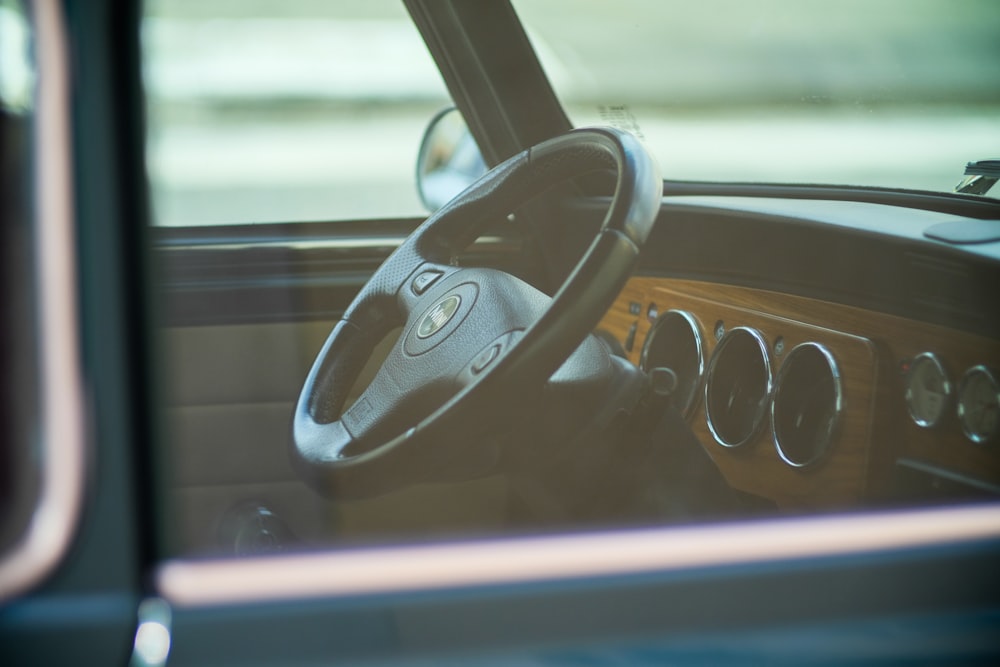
(439, 315)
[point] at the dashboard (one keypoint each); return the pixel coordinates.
(811, 404)
(861, 375)
(826, 355)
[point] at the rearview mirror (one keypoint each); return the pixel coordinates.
(449, 160)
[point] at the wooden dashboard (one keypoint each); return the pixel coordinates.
(876, 443)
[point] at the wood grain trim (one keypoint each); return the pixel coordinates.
(870, 349)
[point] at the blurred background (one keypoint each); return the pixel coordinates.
(311, 110)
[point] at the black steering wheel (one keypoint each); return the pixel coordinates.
(477, 345)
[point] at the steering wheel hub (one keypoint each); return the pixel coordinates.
(441, 320)
(438, 316)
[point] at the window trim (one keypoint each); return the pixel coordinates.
(348, 573)
(61, 421)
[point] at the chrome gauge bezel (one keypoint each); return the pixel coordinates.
(926, 362)
(964, 408)
(693, 329)
(711, 375)
(820, 448)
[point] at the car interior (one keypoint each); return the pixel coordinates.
(759, 350)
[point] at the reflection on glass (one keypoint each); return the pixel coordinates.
(292, 117)
(16, 70)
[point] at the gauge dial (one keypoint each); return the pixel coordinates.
(675, 342)
(807, 406)
(738, 387)
(979, 405)
(928, 390)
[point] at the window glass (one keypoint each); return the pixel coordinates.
(286, 111)
(898, 93)
(275, 117)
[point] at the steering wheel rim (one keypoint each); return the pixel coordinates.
(347, 453)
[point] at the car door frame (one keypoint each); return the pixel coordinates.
(908, 584)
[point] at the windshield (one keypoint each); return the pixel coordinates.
(292, 111)
(897, 93)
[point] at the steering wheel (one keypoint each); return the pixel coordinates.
(477, 345)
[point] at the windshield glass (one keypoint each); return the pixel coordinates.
(291, 111)
(899, 93)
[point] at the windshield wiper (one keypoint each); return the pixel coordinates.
(979, 177)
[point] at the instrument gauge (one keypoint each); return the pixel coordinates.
(928, 390)
(675, 342)
(979, 405)
(808, 405)
(738, 387)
